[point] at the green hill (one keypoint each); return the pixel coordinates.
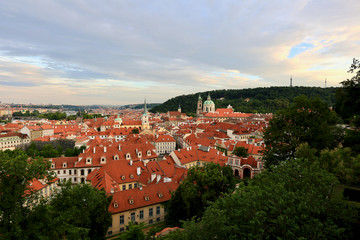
(262, 100)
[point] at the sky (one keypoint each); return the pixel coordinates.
(119, 52)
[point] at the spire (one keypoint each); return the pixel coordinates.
(325, 82)
(208, 97)
(291, 81)
(199, 99)
(145, 108)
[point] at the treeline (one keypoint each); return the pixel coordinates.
(56, 148)
(262, 100)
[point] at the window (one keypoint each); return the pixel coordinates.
(133, 217)
(150, 212)
(89, 171)
(130, 186)
(124, 187)
(122, 219)
(158, 210)
(142, 214)
(158, 219)
(82, 172)
(70, 172)
(74, 179)
(75, 171)
(64, 171)
(150, 221)
(135, 185)
(122, 229)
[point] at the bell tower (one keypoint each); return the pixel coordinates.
(199, 106)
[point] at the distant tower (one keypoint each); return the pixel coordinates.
(325, 82)
(291, 81)
(145, 118)
(199, 106)
(179, 109)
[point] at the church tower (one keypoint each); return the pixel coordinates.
(199, 106)
(145, 118)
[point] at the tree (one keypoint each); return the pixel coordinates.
(241, 152)
(134, 232)
(306, 120)
(79, 210)
(348, 100)
(135, 131)
(294, 201)
(202, 185)
(16, 173)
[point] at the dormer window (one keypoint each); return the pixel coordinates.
(116, 157)
(122, 177)
(128, 156)
(64, 165)
(131, 176)
(52, 165)
(160, 195)
(116, 205)
(131, 201)
(139, 154)
(88, 161)
(103, 160)
(148, 152)
(147, 198)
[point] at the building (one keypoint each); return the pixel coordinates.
(11, 140)
(245, 167)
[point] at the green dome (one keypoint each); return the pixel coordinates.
(209, 102)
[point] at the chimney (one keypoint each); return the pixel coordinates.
(119, 147)
(104, 149)
(140, 187)
(131, 162)
(158, 178)
(153, 176)
(138, 171)
(94, 150)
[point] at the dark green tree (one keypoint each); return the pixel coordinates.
(16, 173)
(133, 232)
(348, 100)
(135, 131)
(307, 120)
(241, 152)
(201, 186)
(80, 210)
(294, 201)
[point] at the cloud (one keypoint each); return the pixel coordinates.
(120, 51)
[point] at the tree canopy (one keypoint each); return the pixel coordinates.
(75, 212)
(262, 100)
(292, 202)
(16, 173)
(348, 100)
(203, 184)
(307, 120)
(241, 152)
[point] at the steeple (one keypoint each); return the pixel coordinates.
(291, 81)
(145, 108)
(208, 97)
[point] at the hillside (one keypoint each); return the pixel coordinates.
(262, 100)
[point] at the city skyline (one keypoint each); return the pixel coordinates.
(89, 52)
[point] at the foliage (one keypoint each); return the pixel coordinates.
(80, 210)
(348, 100)
(54, 148)
(135, 131)
(262, 100)
(291, 202)
(16, 172)
(340, 161)
(352, 140)
(202, 185)
(54, 116)
(134, 232)
(305, 121)
(241, 152)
